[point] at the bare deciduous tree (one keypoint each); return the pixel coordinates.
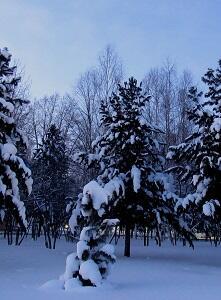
(167, 108)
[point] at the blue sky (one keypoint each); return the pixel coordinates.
(57, 40)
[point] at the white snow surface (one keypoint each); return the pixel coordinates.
(5, 53)
(89, 270)
(108, 248)
(115, 185)
(81, 247)
(216, 126)
(208, 208)
(71, 284)
(152, 273)
(136, 174)
(7, 150)
(72, 264)
(7, 105)
(98, 194)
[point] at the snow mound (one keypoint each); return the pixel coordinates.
(71, 284)
(89, 270)
(72, 265)
(54, 284)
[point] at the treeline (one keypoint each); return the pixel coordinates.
(57, 127)
(76, 118)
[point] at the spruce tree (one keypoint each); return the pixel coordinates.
(131, 186)
(50, 173)
(201, 152)
(14, 174)
(131, 148)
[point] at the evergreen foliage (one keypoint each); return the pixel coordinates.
(14, 174)
(50, 172)
(130, 186)
(201, 152)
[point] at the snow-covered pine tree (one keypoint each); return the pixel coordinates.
(91, 263)
(130, 186)
(50, 174)
(201, 151)
(14, 174)
(130, 149)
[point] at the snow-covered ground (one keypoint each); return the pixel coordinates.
(153, 273)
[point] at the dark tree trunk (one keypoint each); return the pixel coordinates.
(127, 241)
(145, 237)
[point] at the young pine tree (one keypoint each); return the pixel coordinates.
(14, 174)
(201, 151)
(94, 256)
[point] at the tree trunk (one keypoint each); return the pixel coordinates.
(145, 237)
(127, 241)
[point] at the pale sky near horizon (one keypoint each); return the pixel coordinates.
(57, 40)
